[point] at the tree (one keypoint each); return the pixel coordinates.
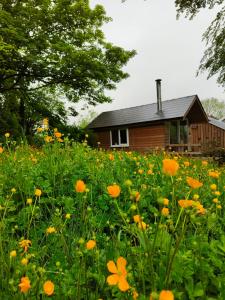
(214, 56)
(214, 108)
(55, 47)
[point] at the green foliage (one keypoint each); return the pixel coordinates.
(51, 51)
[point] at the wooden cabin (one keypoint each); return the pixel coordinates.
(179, 124)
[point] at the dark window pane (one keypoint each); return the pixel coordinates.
(115, 137)
(174, 133)
(183, 132)
(123, 136)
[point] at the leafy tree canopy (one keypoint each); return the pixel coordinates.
(213, 60)
(50, 47)
(214, 108)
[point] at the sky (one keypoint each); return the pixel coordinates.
(167, 48)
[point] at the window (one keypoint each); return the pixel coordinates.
(119, 138)
(178, 132)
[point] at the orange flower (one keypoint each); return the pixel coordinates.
(48, 139)
(166, 295)
(204, 163)
(38, 192)
(135, 295)
(185, 203)
(114, 190)
(48, 287)
(165, 211)
(1, 150)
(24, 284)
(193, 183)
(111, 156)
(25, 244)
(214, 174)
(137, 218)
(165, 201)
(142, 225)
(80, 186)
(170, 166)
(186, 163)
(90, 244)
(119, 274)
(58, 134)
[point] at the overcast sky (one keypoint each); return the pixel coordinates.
(167, 48)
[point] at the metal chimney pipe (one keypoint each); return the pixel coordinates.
(159, 98)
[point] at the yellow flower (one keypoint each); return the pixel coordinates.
(196, 197)
(29, 201)
(214, 174)
(165, 211)
(166, 295)
(215, 200)
(58, 134)
(13, 190)
(48, 287)
(150, 172)
(193, 183)
(7, 134)
(90, 244)
(219, 206)
(50, 230)
(111, 156)
(80, 186)
(128, 182)
(113, 190)
(186, 163)
(137, 218)
(24, 261)
(39, 129)
(165, 201)
(213, 187)
(170, 166)
(217, 193)
(135, 295)
(68, 216)
(38, 192)
(119, 274)
(45, 121)
(185, 203)
(204, 163)
(24, 284)
(25, 244)
(48, 139)
(142, 225)
(13, 253)
(140, 171)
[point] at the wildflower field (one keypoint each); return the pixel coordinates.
(78, 223)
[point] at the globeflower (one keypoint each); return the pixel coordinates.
(166, 295)
(165, 211)
(194, 183)
(214, 174)
(170, 166)
(90, 244)
(119, 274)
(38, 192)
(7, 134)
(13, 253)
(50, 230)
(185, 203)
(24, 284)
(80, 186)
(1, 149)
(25, 244)
(58, 134)
(114, 190)
(48, 287)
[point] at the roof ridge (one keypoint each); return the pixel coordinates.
(147, 104)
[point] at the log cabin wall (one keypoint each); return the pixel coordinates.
(207, 135)
(141, 139)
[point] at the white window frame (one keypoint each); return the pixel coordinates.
(119, 145)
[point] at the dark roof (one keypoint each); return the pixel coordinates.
(217, 123)
(171, 109)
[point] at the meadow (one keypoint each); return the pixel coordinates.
(82, 223)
